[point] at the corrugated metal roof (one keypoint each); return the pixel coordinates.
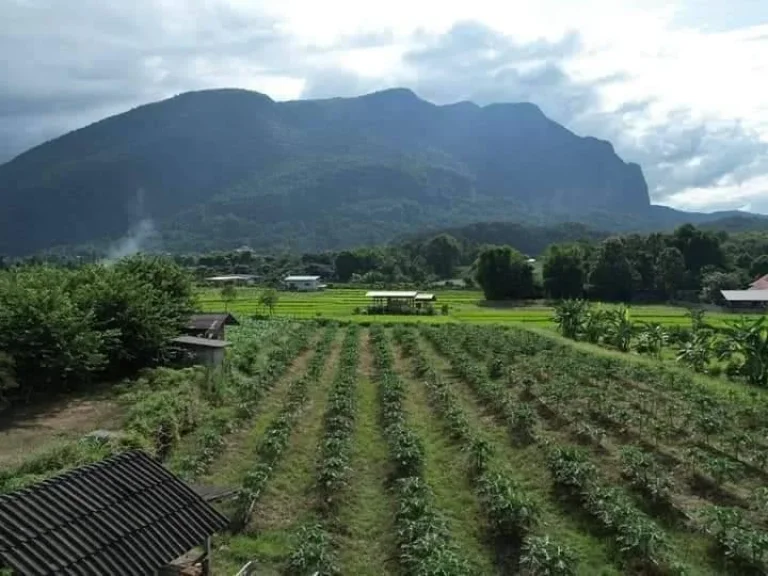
(207, 342)
(124, 515)
(210, 321)
(421, 296)
(390, 294)
(301, 278)
(745, 295)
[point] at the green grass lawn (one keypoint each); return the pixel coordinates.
(464, 306)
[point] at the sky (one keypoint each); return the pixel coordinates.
(679, 86)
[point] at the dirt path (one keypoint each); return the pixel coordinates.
(289, 494)
(368, 547)
(237, 456)
(27, 429)
(446, 470)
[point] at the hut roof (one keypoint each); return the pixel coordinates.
(124, 515)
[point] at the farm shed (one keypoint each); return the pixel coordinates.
(745, 299)
(209, 325)
(394, 302)
(303, 283)
(124, 515)
(205, 351)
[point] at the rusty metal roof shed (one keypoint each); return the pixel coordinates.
(124, 515)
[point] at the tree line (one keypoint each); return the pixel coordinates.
(690, 264)
(66, 328)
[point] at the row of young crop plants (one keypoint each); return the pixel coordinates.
(640, 542)
(271, 447)
(555, 386)
(718, 439)
(179, 415)
(512, 515)
(316, 552)
(425, 545)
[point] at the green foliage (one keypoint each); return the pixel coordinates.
(745, 342)
(670, 270)
(228, 294)
(713, 282)
(442, 254)
(611, 276)
(570, 317)
(543, 557)
(314, 555)
(564, 272)
(503, 274)
(269, 299)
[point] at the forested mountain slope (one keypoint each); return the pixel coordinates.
(222, 168)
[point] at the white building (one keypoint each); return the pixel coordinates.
(303, 283)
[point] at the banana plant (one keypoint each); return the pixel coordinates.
(745, 341)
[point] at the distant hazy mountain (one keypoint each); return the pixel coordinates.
(223, 168)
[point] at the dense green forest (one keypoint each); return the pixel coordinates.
(214, 170)
(691, 263)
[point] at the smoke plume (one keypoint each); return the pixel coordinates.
(139, 238)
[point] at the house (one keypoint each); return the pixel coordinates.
(303, 283)
(760, 284)
(209, 325)
(124, 515)
(745, 299)
(205, 351)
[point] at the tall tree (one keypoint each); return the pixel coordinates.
(228, 295)
(442, 254)
(269, 298)
(563, 271)
(504, 274)
(611, 276)
(670, 270)
(699, 248)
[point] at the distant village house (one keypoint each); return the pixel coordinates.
(303, 283)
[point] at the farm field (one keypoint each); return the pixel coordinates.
(452, 449)
(464, 306)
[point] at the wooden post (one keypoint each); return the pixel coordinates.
(207, 560)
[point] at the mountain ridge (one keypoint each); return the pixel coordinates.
(227, 167)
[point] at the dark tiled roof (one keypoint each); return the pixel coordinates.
(210, 321)
(124, 515)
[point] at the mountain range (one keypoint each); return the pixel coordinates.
(224, 168)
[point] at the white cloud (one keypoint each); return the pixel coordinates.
(677, 86)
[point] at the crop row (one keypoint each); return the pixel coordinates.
(424, 542)
(242, 399)
(639, 539)
(740, 542)
(513, 516)
(315, 552)
(270, 450)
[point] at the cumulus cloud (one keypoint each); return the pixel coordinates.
(675, 86)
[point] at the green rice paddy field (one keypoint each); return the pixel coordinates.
(464, 306)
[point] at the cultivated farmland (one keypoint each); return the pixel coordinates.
(454, 449)
(463, 306)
